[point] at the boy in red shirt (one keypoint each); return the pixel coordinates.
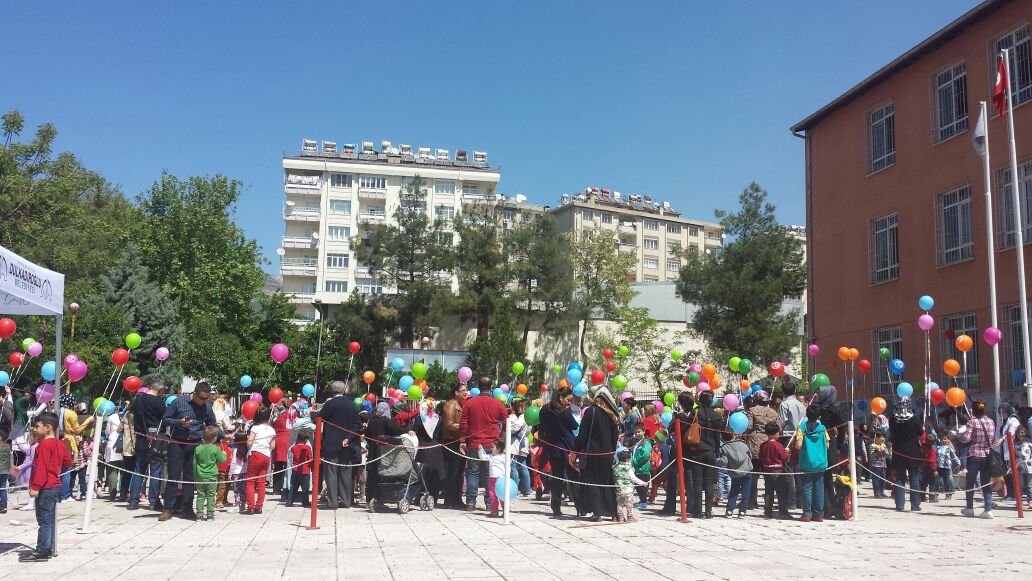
(773, 457)
(300, 468)
(45, 485)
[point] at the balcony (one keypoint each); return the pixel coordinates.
(296, 214)
(300, 242)
(296, 190)
(362, 271)
(626, 228)
(297, 267)
(479, 198)
(628, 248)
(371, 218)
(300, 298)
(368, 194)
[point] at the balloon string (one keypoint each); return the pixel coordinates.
(108, 384)
(115, 384)
(266, 382)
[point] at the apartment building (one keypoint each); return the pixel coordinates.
(655, 233)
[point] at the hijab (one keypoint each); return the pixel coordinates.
(67, 400)
(904, 410)
(383, 410)
(826, 396)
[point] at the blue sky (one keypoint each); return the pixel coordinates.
(688, 101)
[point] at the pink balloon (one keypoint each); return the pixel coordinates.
(143, 390)
(505, 387)
(35, 349)
(69, 359)
(696, 367)
(465, 374)
(926, 322)
(992, 335)
(625, 395)
(161, 353)
(813, 349)
(77, 371)
(730, 402)
(255, 396)
(279, 352)
(703, 386)
(426, 389)
(659, 406)
(45, 393)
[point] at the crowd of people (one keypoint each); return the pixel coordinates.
(193, 455)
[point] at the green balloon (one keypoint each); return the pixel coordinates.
(819, 380)
(669, 398)
(97, 402)
(884, 353)
(133, 340)
(733, 363)
(502, 398)
(415, 393)
(419, 370)
(26, 342)
(518, 368)
(624, 350)
(744, 366)
(619, 382)
(557, 368)
(661, 436)
(358, 403)
(675, 355)
(693, 378)
(532, 416)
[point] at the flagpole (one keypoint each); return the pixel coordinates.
(990, 248)
(1019, 223)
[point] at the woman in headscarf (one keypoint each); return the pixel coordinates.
(597, 441)
(381, 429)
(905, 434)
(555, 431)
(428, 428)
(703, 456)
(1008, 424)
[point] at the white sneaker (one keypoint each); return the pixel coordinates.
(69, 499)
(968, 512)
(986, 514)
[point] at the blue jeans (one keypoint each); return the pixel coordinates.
(723, 482)
(82, 473)
(66, 486)
(907, 471)
(46, 508)
(477, 472)
(4, 477)
(978, 471)
(946, 483)
(739, 485)
(521, 473)
(145, 465)
(876, 480)
(813, 494)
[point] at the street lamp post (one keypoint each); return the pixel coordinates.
(318, 352)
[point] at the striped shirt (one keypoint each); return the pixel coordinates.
(980, 433)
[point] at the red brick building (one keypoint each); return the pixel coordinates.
(896, 204)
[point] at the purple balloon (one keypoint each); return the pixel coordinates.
(504, 387)
(992, 335)
(255, 396)
(813, 349)
(926, 322)
(730, 402)
(659, 406)
(45, 393)
(35, 349)
(279, 352)
(465, 374)
(69, 359)
(161, 353)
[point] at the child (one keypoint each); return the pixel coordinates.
(641, 454)
(812, 442)
(51, 460)
(879, 462)
(497, 470)
(929, 467)
(734, 455)
(238, 470)
(300, 468)
(1023, 452)
(81, 466)
(946, 461)
(27, 444)
(222, 492)
(626, 480)
(262, 442)
(772, 458)
(206, 460)
(5, 469)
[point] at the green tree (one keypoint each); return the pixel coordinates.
(495, 354)
(543, 276)
(740, 290)
(603, 279)
(481, 266)
(648, 359)
(369, 322)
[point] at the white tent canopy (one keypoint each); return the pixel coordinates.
(27, 288)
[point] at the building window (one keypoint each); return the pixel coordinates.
(369, 286)
(674, 247)
(587, 215)
(951, 101)
(444, 188)
(651, 243)
(469, 189)
(336, 260)
(380, 211)
(954, 224)
(953, 326)
(340, 207)
(884, 249)
(607, 218)
(310, 260)
(1020, 63)
(445, 238)
(650, 278)
(445, 212)
(713, 235)
(693, 230)
(336, 286)
(651, 225)
(372, 183)
(340, 180)
(649, 262)
(1012, 348)
(1008, 233)
(693, 248)
(509, 214)
(881, 139)
(673, 264)
(417, 206)
(308, 288)
(673, 228)
(890, 338)
(338, 233)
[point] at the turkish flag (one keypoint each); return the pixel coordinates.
(1000, 90)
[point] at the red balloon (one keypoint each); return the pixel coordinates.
(249, 408)
(544, 387)
(610, 366)
(354, 346)
(864, 365)
(119, 357)
(607, 353)
(597, 376)
(950, 334)
(687, 382)
(371, 397)
(777, 369)
(17, 359)
(7, 328)
(937, 396)
(131, 383)
(275, 394)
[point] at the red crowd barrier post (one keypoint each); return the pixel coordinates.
(315, 473)
(680, 470)
(1015, 476)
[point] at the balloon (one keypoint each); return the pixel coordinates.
(415, 393)
(255, 396)
(246, 381)
(97, 402)
(26, 342)
(354, 347)
(496, 392)
(504, 398)
(49, 371)
(499, 489)
(555, 368)
(279, 352)
(610, 366)
(465, 374)
(7, 328)
(964, 343)
(77, 370)
(597, 376)
(878, 405)
(367, 406)
(992, 335)
(884, 353)
(34, 349)
(864, 365)
(675, 355)
(925, 322)
(358, 401)
(249, 408)
(897, 366)
(702, 386)
(955, 396)
(370, 397)
(368, 377)
(669, 398)
(620, 382)
(744, 367)
(715, 382)
(172, 398)
(543, 387)
(532, 416)
(926, 303)
(16, 359)
(45, 393)
(406, 382)
(777, 369)
(161, 353)
(684, 380)
(709, 370)
(694, 377)
(275, 395)
(623, 350)
(119, 357)
(504, 387)
(69, 359)
(303, 405)
(819, 380)
(522, 389)
(133, 340)
(659, 406)
(904, 389)
(937, 396)
(843, 353)
(564, 383)
(744, 385)
(607, 353)
(951, 367)
(666, 418)
(575, 365)
(695, 367)
(107, 408)
(574, 375)
(861, 405)
(131, 383)
(474, 392)
(730, 402)
(5, 378)
(813, 349)
(733, 363)
(397, 364)
(419, 370)
(1018, 376)
(518, 367)
(738, 422)
(580, 390)
(308, 390)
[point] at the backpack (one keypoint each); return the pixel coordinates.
(655, 458)
(813, 453)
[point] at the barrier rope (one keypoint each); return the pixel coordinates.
(908, 489)
(170, 440)
(263, 476)
(421, 447)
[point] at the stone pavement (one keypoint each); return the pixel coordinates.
(446, 544)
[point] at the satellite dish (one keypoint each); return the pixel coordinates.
(291, 203)
(520, 198)
(280, 251)
(315, 235)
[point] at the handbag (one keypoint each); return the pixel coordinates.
(693, 435)
(997, 467)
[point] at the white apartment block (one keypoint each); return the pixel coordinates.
(334, 196)
(655, 233)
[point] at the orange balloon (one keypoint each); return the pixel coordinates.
(715, 382)
(843, 353)
(421, 382)
(854, 354)
(878, 405)
(745, 386)
(564, 383)
(368, 377)
(951, 367)
(521, 389)
(955, 396)
(964, 343)
(709, 370)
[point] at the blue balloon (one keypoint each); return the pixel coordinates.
(861, 404)
(245, 381)
(496, 392)
(308, 390)
(738, 422)
(474, 392)
(367, 405)
(397, 364)
(931, 385)
(1018, 376)
(926, 303)
(170, 399)
(406, 382)
(574, 376)
(755, 388)
(666, 418)
(580, 390)
(304, 405)
(49, 371)
(896, 366)
(106, 408)
(5, 378)
(716, 402)
(904, 389)
(500, 488)
(575, 365)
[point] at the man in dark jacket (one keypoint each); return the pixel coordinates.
(147, 411)
(340, 445)
(187, 416)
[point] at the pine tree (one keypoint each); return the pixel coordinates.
(543, 276)
(481, 266)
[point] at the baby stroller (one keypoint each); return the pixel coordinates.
(401, 478)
